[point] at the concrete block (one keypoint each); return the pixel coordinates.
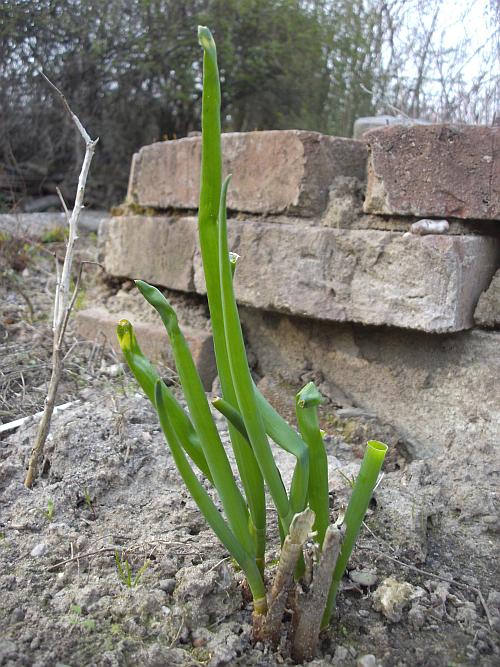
(434, 171)
(431, 283)
(153, 248)
(488, 307)
(437, 391)
(96, 323)
(274, 172)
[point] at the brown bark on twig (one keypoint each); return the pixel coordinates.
(63, 302)
(313, 605)
(44, 425)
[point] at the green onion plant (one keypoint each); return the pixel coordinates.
(192, 435)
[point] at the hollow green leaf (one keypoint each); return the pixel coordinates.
(214, 519)
(358, 504)
(146, 376)
(199, 410)
(306, 404)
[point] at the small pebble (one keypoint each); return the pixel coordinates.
(39, 550)
(113, 371)
(391, 597)
(17, 615)
(341, 655)
(416, 617)
(368, 660)
(364, 578)
(167, 585)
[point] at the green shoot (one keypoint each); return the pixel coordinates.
(192, 435)
(124, 571)
(50, 511)
(88, 501)
(208, 221)
(307, 401)
(241, 378)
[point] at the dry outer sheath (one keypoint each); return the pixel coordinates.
(312, 607)
(291, 550)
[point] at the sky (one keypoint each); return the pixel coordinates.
(460, 21)
(463, 53)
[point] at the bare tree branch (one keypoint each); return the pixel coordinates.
(63, 303)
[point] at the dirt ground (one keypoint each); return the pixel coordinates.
(423, 585)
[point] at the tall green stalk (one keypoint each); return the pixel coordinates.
(208, 219)
(203, 422)
(242, 380)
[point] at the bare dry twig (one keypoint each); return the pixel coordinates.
(63, 302)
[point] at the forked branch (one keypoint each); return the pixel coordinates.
(63, 301)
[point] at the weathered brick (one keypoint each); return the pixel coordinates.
(431, 283)
(153, 248)
(273, 171)
(488, 307)
(96, 323)
(434, 171)
(436, 390)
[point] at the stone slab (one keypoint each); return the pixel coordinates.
(95, 323)
(430, 283)
(36, 225)
(274, 171)
(488, 307)
(156, 249)
(345, 211)
(434, 171)
(436, 390)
